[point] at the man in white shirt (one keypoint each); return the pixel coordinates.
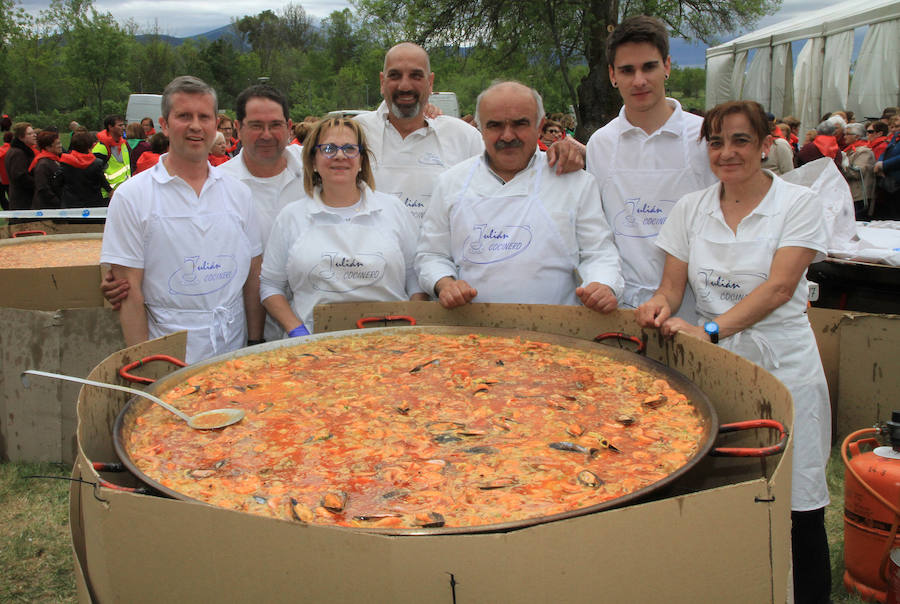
(185, 237)
(409, 151)
(647, 158)
(504, 227)
(267, 163)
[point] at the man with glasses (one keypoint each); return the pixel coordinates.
(185, 236)
(226, 126)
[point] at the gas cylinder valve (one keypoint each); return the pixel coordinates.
(891, 429)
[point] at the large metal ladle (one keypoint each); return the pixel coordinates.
(207, 420)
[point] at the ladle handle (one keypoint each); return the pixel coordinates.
(135, 391)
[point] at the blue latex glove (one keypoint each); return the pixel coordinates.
(300, 330)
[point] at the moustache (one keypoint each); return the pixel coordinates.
(400, 93)
(513, 144)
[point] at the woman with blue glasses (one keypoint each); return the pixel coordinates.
(343, 241)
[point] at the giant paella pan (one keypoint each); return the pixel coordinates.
(423, 430)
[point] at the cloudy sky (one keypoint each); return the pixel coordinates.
(189, 17)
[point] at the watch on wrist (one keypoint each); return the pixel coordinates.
(712, 330)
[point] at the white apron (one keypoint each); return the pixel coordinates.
(194, 274)
(637, 202)
(344, 262)
(785, 346)
(508, 248)
(412, 183)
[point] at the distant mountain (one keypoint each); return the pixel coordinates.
(215, 34)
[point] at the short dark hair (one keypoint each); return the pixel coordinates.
(752, 110)
(46, 138)
(261, 91)
(82, 142)
(8, 136)
(880, 127)
(636, 30)
(159, 143)
(110, 120)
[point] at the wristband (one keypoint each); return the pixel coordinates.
(712, 330)
(300, 330)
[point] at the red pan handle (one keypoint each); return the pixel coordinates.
(102, 466)
(641, 347)
(750, 451)
(386, 318)
(115, 487)
(27, 233)
(125, 375)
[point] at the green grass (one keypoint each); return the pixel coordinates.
(36, 555)
(35, 550)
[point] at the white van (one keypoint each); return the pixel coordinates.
(144, 105)
(446, 102)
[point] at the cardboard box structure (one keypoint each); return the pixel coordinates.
(861, 356)
(722, 533)
(51, 227)
(51, 319)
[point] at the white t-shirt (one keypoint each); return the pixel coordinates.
(271, 194)
(572, 200)
(788, 216)
(320, 257)
(442, 143)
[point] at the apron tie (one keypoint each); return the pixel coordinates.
(222, 317)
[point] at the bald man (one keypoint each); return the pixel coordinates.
(410, 151)
(504, 227)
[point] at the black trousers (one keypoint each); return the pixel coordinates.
(812, 561)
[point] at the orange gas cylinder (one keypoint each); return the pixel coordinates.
(871, 509)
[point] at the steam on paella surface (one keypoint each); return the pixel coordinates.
(39, 254)
(418, 430)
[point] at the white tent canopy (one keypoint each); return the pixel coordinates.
(821, 81)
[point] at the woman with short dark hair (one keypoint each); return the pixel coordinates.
(44, 167)
(81, 175)
(744, 244)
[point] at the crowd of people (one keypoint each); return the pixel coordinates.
(235, 229)
(37, 173)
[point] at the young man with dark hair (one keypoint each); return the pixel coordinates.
(112, 148)
(646, 158)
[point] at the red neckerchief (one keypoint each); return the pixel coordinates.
(106, 139)
(878, 145)
(827, 145)
(41, 155)
(151, 133)
(853, 146)
(148, 159)
(233, 146)
(794, 140)
(77, 159)
(218, 160)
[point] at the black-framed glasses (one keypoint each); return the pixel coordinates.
(330, 150)
(870, 132)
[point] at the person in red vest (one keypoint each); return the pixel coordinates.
(4, 177)
(81, 178)
(159, 144)
(823, 145)
(877, 137)
(43, 168)
(217, 155)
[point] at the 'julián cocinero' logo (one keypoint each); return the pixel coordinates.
(487, 244)
(731, 288)
(337, 273)
(199, 275)
(642, 219)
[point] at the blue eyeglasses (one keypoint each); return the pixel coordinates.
(330, 150)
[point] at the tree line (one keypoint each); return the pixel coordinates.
(73, 62)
